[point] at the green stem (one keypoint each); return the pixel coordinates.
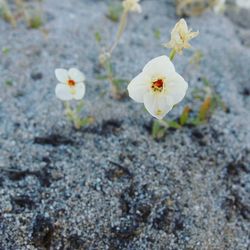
(163, 123)
(122, 25)
(72, 115)
(114, 87)
(172, 54)
(67, 107)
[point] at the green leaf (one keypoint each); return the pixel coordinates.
(160, 127)
(198, 93)
(114, 11)
(86, 121)
(206, 82)
(98, 37)
(184, 116)
(173, 124)
(158, 131)
(194, 122)
(35, 22)
(79, 107)
(219, 102)
(9, 83)
(157, 34)
(5, 50)
(205, 109)
(70, 115)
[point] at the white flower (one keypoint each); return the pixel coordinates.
(132, 5)
(158, 86)
(71, 84)
(104, 57)
(180, 36)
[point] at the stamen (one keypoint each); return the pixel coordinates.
(71, 83)
(159, 112)
(158, 85)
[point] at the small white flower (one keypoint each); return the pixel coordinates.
(132, 5)
(180, 37)
(71, 84)
(158, 86)
(104, 57)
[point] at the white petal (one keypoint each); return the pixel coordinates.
(158, 105)
(76, 75)
(63, 92)
(138, 87)
(176, 88)
(79, 91)
(62, 75)
(159, 66)
(183, 25)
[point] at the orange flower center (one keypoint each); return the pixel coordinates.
(71, 83)
(157, 85)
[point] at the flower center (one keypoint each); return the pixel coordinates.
(157, 86)
(182, 37)
(71, 83)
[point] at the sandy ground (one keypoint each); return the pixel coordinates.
(111, 186)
